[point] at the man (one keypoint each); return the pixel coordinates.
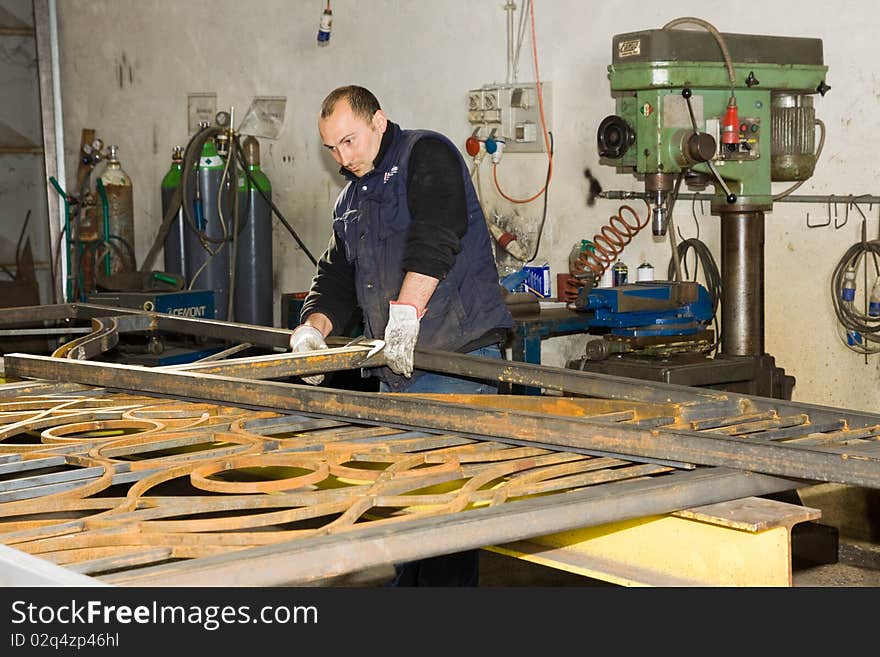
(410, 250)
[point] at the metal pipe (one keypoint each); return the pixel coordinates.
(510, 7)
(287, 364)
(791, 198)
(579, 382)
(742, 283)
(46, 33)
(694, 403)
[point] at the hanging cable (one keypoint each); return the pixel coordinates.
(546, 197)
(272, 205)
(702, 257)
(521, 33)
(670, 206)
(859, 330)
(543, 124)
(508, 241)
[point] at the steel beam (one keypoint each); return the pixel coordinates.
(695, 402)
(285, 365)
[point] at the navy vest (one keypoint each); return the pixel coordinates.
(372, 219)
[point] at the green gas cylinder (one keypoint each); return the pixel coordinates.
(253, 246)
(175, 254)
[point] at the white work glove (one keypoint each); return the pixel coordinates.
(401, 335)
(307, 338)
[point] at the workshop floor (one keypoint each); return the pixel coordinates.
(858, 565)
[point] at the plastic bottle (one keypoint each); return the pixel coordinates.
(324, 27)
(120, 221)
(574, 255)
(576, 266)
(175, 255)
(645, 272)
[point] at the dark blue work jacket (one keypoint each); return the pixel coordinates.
(372, 219)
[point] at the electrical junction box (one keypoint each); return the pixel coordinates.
(511, 112)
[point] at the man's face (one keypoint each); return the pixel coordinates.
(352, 141)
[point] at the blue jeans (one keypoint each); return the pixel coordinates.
(453, 385)
(461, 568)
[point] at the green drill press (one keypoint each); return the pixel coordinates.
(734, 111)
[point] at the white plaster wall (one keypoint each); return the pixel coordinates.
(420, 58)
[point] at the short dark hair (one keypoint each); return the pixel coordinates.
(362, 101)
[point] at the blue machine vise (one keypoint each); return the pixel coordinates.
(648, 308)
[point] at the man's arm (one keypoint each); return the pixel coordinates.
(416, 290)
(436, 200)
(321, 322)
(437, 205)
(332, 297)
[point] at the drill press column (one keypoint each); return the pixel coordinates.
(742, 283)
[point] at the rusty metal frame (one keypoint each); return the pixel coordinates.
(68, 516)
(763, 451)
(850, 464)
(757, 445)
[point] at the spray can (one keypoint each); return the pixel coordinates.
(120, 215)
(619, 273)
(175, 254)
(207, 248)
(645, 272)
(324, 27)
(253, 242)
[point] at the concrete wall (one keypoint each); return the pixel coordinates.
(128, 65)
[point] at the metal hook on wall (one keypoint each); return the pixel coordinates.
(809, 225)
(845, 215)
(859, 210)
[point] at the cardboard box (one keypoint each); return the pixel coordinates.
(538, 281)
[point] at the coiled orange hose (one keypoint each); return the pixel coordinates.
(609, 242)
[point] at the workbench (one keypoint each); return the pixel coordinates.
(531, 328)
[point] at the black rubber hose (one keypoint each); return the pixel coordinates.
(275, 209)
(191, 154)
